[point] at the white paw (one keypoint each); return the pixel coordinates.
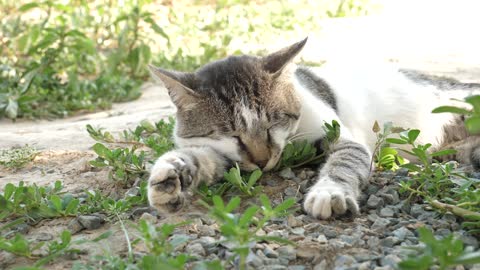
(327, 198)
(169, 177)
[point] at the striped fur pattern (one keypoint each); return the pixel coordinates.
(244, 109)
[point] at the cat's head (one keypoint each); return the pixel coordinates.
(245, 107)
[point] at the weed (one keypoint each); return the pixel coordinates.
(301, 153)
(17, 157)
(472, 121)
(443, 253)
(386, 157)
(438, 183)
(125, 164)
(235, 178)
(35, 202)
(241, 229)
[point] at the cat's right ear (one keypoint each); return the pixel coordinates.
(275, 62)
(178, 84)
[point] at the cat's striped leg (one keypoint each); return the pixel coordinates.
(177, 170)
(338, 186)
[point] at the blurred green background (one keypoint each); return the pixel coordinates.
(64, 57)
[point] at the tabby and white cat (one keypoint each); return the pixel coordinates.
(244, 109)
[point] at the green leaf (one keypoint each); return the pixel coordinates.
(473, 124)
(444, 152)
(72, 207)
(451, 109)
(411, 167)
(28, 6)
(413, 134)
(101, 150)
(247, 216)
(56, 202)
(232, 204)
(254, 177)
(475, 101)
(396, 141)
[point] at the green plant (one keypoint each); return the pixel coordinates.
(437, 183)
(124, 163)
(301, 153)
(36, 202)
(444, 253)
(17, 157)
(235, 178)
(472, 121)
(20, 246)
(241, 229)
(386, 157)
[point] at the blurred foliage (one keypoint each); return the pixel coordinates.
(76, 55)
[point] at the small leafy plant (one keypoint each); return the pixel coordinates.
(438, 183)
(17, 157)
(472, 121)
(301, 153)
(241, 229)
(247, 187)
(386, 157)
(36, 202)
(443, 253)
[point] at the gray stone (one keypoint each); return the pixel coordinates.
(322, 239)
(208, 243)
(43, 236)
(132, 192)
(374, 202)
(389, 241)
(321, 266)
(205, 230)
(443, 232)
(402, 232)
(195, 249)
(384, 268)
(304, 185)
(416, 210)
(148, 217)
(22, 228)
(302, 175)
(330, 233)
(297, 267)
(352, 240)
(293, 221)
(344, 260)
(469, 241)
(254, 261)
(91, 222)
(373, 242)
(140, 210)
(390, 260)
(298, 231)
(276, 267)
(380, 223)
(402, 172)
(387, 212)
(270, 253)
(287, 173)
(287, 252)
(74, 226)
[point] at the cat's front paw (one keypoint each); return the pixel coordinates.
(169, 177)
(327, 198)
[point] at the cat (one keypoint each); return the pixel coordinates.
(244, 109)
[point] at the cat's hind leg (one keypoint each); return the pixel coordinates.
(178, 170)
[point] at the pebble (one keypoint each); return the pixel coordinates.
(387, 212)
(270, 253)
(287, 252)
(402, 232)
(390, 260)
(344, 260)
(416, 210)
(74, 226)
(287, 173)
(43, 236)
(293, 221)
(195, 249)
(380, 223)
(148, 217)
(374, 202)
(90, 222)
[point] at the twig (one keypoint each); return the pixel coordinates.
(461, 212)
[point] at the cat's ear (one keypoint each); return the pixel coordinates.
(275, 62)
(178, 84)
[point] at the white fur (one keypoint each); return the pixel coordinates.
(374, 93)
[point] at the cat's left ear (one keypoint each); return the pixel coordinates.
(178, 84)
(275, 62)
